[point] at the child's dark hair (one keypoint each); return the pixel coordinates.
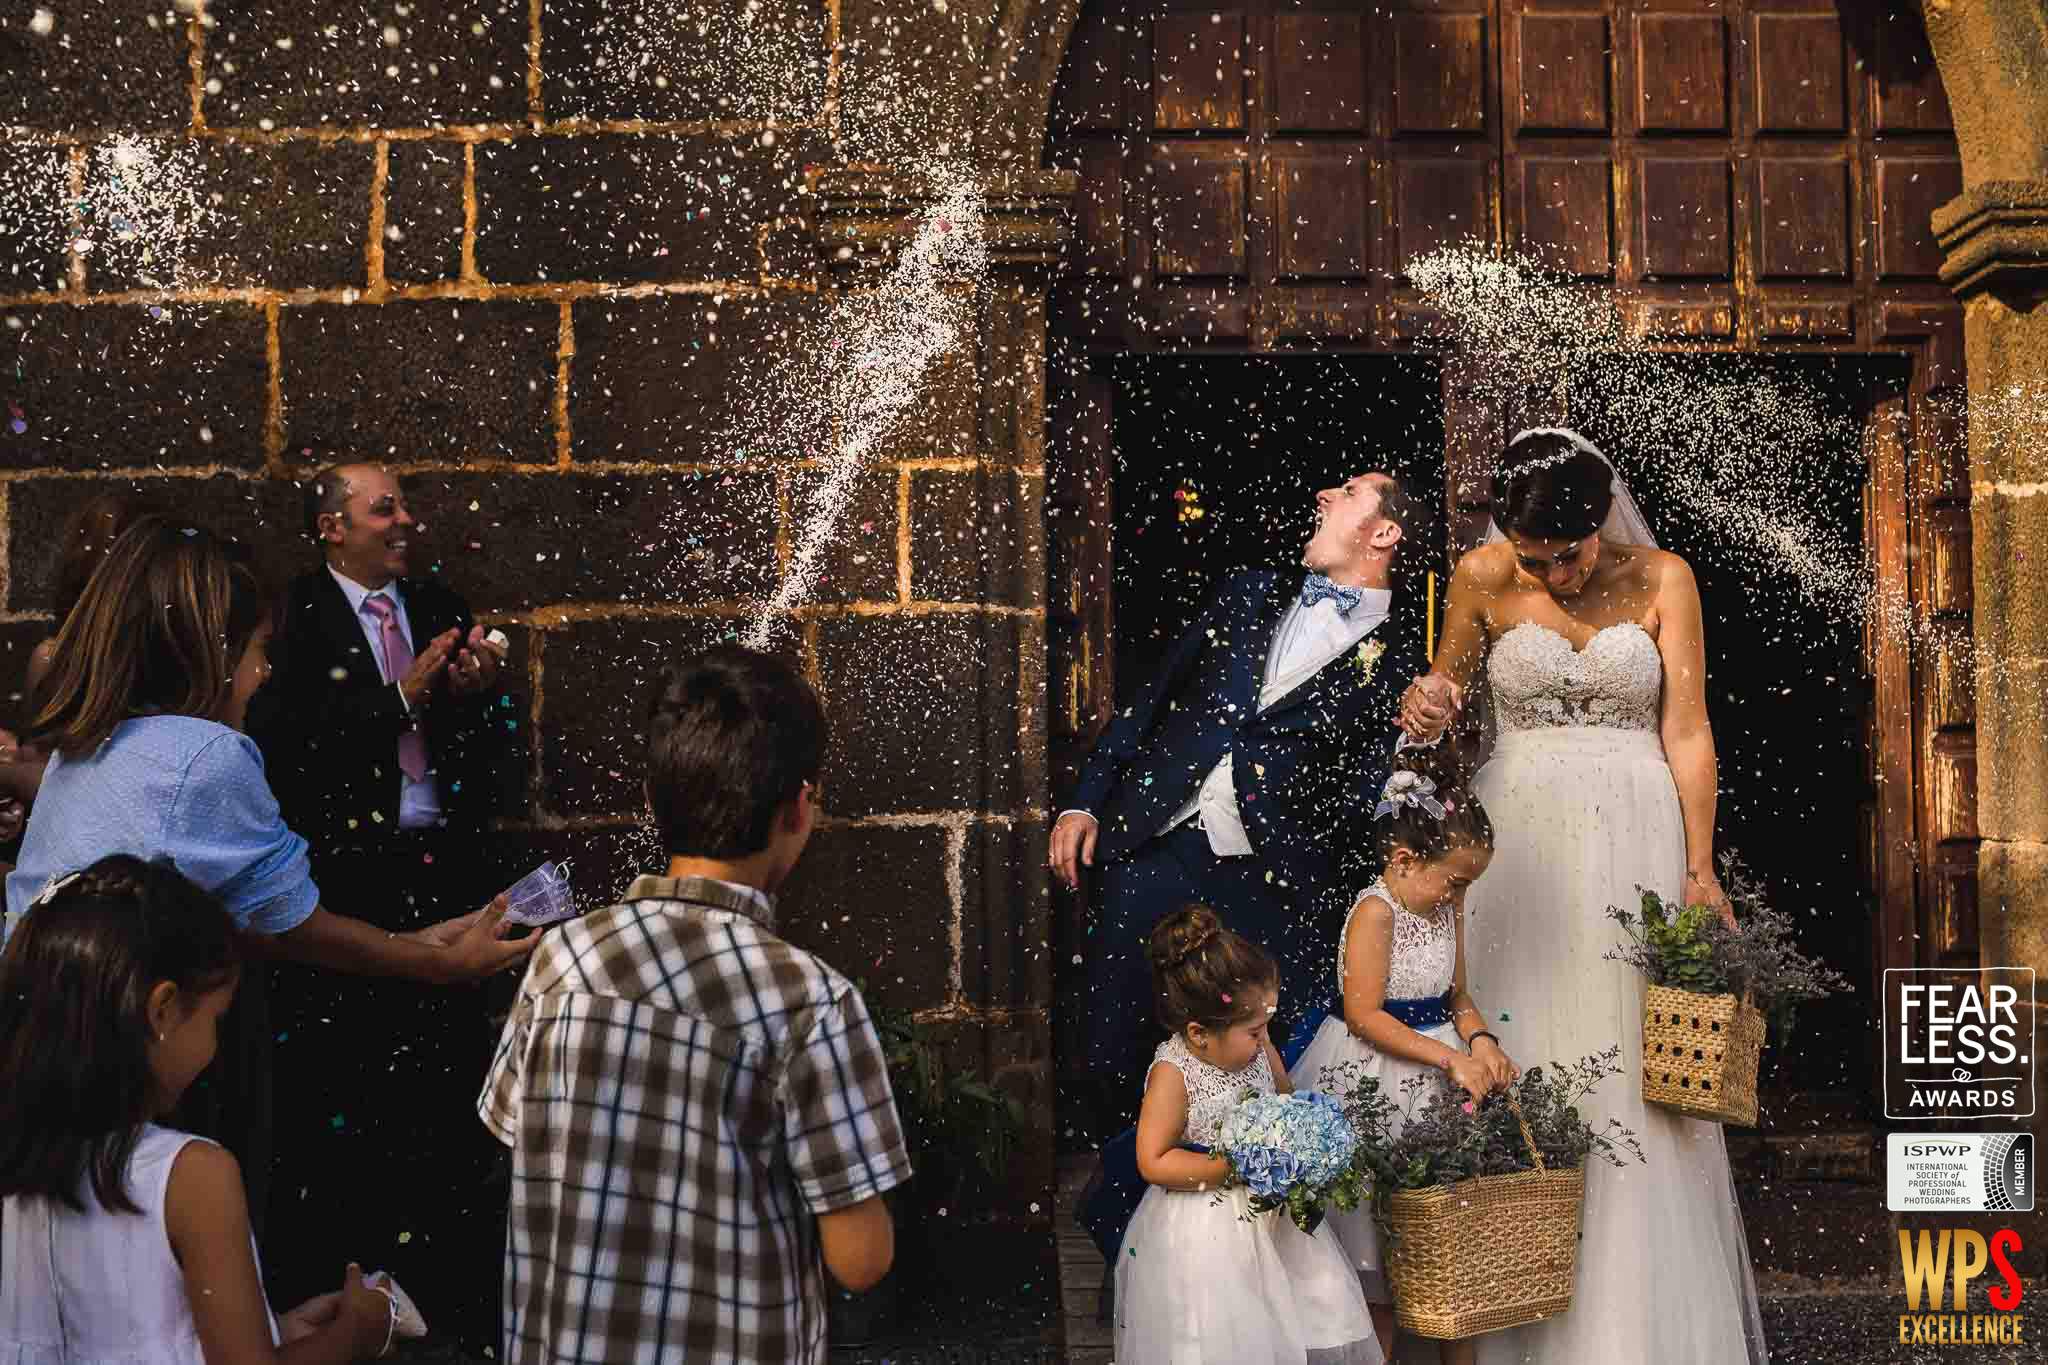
(1202, 973)
(1547, 488)
(1432, 811)
(731, 735)
(75, 1080)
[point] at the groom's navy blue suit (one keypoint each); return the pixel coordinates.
(1307, 771)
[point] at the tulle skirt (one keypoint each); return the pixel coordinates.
(1332, 1062)
(1585, 818)
(1200, 1283)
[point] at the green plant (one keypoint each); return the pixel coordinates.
(953, 1119)
(1692, 949)
(1671, 945)
(1449, 1138)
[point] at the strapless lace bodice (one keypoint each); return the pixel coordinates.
(1425, 957)
(1212, 1091)
(1539, 682)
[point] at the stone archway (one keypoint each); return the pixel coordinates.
(1993, 56)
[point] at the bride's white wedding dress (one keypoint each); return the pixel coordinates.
(1585, 812)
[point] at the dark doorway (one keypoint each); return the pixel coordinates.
(1217, 463)
(1246, 441)
(1789, 699)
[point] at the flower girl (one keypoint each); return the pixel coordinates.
(1199, 1278)
(1401, 979)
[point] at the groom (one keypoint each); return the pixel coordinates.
(1244, 775)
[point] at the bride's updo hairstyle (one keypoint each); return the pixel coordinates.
(1427, 808)
(1202, 973)
(1547, 488)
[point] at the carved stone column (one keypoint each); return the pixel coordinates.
(865, 215)
(976, 549)
(1996, 239)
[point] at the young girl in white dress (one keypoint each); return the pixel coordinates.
(1401, 979)
(122, 1242)
(1199, 1280)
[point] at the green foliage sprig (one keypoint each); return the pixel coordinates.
(946, 1111)
(1690, 948)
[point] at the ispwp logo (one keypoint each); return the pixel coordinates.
(1955, 1043)
(1948, 1259)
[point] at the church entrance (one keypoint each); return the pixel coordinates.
(1212, 465)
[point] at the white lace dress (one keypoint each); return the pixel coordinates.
(1200, 1281)
(1424, 960)
(1585, 811)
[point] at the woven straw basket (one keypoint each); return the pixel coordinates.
(1700, 1054)
(1486, 1253)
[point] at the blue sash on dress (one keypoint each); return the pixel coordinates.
(1417, 1012)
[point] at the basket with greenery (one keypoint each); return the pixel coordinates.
(1478, 1204)
(1710, 988)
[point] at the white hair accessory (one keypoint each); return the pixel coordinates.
(1625, 524)
(1578, 445)
(52, 887)
(1405, 789)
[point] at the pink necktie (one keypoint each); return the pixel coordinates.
(412, 745)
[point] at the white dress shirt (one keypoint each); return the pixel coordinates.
(419, 803)
(1306, 640)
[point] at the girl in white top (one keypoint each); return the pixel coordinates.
(121, 1242)
(1404, 1008)
(1199, 1280)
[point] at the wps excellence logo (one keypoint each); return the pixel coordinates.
(1950, 1258)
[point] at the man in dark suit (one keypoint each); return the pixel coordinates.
(383, 734)
(1244, 775)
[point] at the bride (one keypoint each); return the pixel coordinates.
(1601, 781)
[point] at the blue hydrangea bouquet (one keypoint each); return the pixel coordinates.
(1293, 1152)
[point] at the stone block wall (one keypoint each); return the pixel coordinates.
(544, 298)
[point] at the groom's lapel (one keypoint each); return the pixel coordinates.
(1337, 672)
(1250, 663)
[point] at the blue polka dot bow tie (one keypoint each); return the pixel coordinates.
(1317, 588)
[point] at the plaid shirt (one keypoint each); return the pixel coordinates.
(682, 1092)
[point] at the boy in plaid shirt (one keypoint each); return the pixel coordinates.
(698, 1112)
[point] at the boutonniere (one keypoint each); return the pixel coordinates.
(1367, 660)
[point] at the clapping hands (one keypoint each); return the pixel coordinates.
(470, 664)
(475, 665)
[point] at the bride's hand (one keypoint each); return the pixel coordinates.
(1428, 707)
(1704, 888)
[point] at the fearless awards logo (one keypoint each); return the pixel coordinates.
(1957, 1047)
(1955, 1043)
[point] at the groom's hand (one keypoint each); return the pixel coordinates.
(1073, 844)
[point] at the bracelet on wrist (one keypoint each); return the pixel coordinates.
(1477, 1034)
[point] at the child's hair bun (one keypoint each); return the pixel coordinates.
(1202, 972)
(1181, 935)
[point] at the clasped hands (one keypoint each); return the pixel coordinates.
(1429, 706)
(470, 664)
